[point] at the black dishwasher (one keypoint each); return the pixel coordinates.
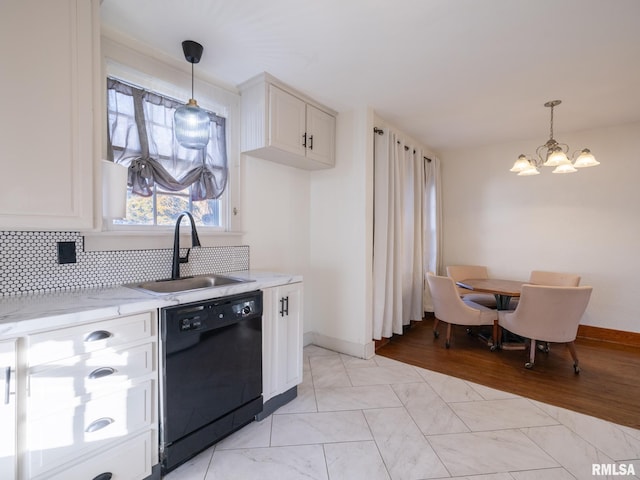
(212, 373)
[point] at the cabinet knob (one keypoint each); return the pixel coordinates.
(97, 335)
(99, 424)
(310, 142)
(304, 140)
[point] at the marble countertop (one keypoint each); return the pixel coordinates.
(26, 314)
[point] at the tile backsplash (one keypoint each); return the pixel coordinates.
(29, 263)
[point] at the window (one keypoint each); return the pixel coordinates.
(165, 178)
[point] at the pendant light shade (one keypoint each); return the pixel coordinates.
(192, 124)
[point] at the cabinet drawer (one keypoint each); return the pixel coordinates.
(61, 437)
(90, 337)
(54, 385)
(128, 461)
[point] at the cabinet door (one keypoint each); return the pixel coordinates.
(288, 336)
(8, 410)
(269, 302)
(321, 135)
(46, 131)
(286, 121)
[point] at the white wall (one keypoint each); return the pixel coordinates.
(275, 203)
(585, 223)
(340, 307)
(319, 224)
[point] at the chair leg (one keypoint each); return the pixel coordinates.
(448, 342)
(574, 355)
(532, 354)
(436, 334)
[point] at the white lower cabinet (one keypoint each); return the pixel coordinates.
(91, 401)
(8, 416)
(282, 339)
(130, 459)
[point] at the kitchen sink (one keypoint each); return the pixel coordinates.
(186, 283)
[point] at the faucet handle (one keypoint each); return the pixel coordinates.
(185, 259)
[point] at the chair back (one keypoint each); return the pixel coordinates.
(449, 308)
(549, 313)
(444, 293)
(464, 272)
(557, 279)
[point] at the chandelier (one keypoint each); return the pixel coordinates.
(553, 154)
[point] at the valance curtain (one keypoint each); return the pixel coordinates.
(405, 233)
(141, 137)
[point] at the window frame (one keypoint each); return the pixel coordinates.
(145, 69)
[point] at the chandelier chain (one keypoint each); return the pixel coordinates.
(551, 127)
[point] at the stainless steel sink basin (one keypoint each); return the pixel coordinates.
(186, 283)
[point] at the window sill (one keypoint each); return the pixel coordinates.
(157, 239)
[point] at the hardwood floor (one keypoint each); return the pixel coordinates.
(607, 387)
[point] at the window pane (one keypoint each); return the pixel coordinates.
(170, 206)
(139, 210)
(207, 213)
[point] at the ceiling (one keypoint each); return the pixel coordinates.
(450, 73)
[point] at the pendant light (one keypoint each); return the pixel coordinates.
(192, 124)
(553, 154)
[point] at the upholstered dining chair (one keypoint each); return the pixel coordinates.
(464, 272)
(451, 309)
(555, 279)
(547, 314)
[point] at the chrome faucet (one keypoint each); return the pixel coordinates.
(195, 242)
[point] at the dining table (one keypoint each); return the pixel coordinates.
(504, 291)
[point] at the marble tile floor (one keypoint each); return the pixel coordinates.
(380, 419)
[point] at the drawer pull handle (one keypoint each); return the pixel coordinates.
(104, 476)
(97, 335)
(99, 424)
(7, 383)
(102, 372)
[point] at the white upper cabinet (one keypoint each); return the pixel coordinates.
(49, 62)
(284, 126)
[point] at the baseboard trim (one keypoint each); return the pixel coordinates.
(608, 335)
(365, 351)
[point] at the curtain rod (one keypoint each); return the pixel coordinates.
(380, 131)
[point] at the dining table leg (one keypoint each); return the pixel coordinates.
(502, 301)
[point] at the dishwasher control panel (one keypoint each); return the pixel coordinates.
(199, 317)
(190, 323)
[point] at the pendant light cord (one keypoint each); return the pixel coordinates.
(192, 87)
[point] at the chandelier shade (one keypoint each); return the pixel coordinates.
(553, 154)
(192, 125)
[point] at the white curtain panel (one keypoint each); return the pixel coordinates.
(432, 227)
(402, 219)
